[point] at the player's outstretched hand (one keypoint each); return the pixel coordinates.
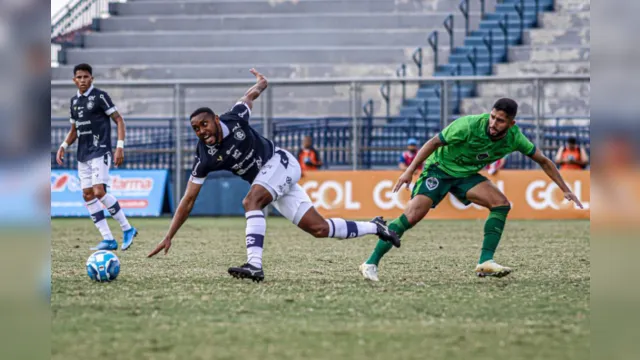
(164, 244)
(404, 179)
(572, 197)
(258, 75)
(60, 156)
(118, 157)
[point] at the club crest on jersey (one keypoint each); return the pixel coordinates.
(432, 183)
(482, 156)
(90, 105)
(239, 135)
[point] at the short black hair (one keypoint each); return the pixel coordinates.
(202, 110)
(84, 67)
(572, 140)
(509, 106)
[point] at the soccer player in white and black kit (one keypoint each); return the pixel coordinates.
(228, 142)
(91, 113)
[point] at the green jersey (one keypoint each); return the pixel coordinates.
(468, 147)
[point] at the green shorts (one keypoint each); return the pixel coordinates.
(435, 184)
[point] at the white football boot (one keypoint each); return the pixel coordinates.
(492, 268)
(369, 271)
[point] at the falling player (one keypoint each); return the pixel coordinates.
(453, 159)
(228, 142)
(91, 110)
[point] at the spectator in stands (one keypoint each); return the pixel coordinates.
(572, 156)
(496, 166)
(407, 156)
(308, 156)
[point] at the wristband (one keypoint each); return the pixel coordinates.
(120, 144)
(64, 145)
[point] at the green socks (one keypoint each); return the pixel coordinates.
(493, 231)
(399, 225)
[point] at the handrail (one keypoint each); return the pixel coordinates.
(385, 92)
(520, 11)
(504, 26)
(448, 25)
(433, 42)
(76, 15)
(473, 61)
(464, 9)
(325, 81)
(418, 60)
(367, 108)
(401, 72)
(489, 44)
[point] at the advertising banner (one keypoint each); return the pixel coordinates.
(139, 192)
(365, 194)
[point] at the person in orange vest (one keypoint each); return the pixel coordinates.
(308, 156)
(572, 156)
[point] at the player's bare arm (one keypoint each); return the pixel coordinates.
(427, 149)
(70, 139)
(552, 172)
(255, 90)
(118, 157)
(181, 215)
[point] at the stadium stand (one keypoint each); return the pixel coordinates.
(166, 40)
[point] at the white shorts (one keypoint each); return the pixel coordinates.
(280, 176)
(94, 171)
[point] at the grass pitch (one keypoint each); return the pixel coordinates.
(314, 304)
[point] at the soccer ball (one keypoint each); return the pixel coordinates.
(103, 266)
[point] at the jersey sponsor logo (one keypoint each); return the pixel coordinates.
(230, 149)
(236, 154)
(243, 171)
(432, 183)
(239, 135)
(332, 194)
(96, 140)
(259, 162)
(75, 101)
(242, 114)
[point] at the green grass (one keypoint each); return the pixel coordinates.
(314, 304)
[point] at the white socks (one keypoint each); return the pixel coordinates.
(97, 215)
(113, 206)
(345, 229)
(256, 228)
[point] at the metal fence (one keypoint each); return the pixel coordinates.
(357, 140)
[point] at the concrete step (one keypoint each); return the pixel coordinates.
(334, 21)
(286, 7)
(279, 55)
(572, 5)
(278, 38)
(519, 90)
(542, 68)
(557, 20)
(236, 71)
(568, 106)
(565, 53)
(571, 36)
(154, 107)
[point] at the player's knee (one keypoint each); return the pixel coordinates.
(88, 195)
(250, 202)
(99, 193)
(501, 202)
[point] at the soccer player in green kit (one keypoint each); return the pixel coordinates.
(453, 159)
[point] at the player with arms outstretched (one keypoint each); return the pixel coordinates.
(453, 159)
(228, 142)
(91, 112)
